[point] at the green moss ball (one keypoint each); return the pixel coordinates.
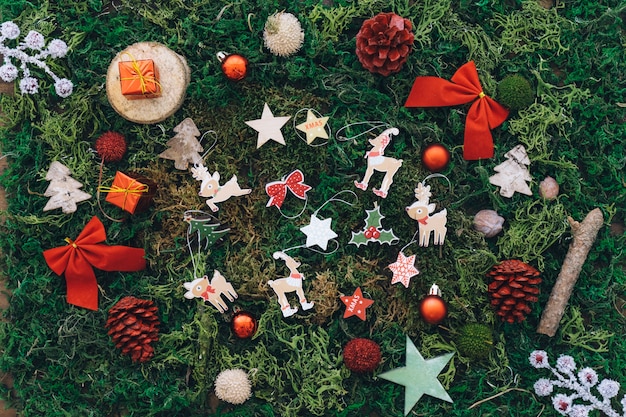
(515, 92)
(475, 341)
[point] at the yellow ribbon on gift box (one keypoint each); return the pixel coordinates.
(117, 189)
(143, 79)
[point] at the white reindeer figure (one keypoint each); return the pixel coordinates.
(211, 291)
(211, 188)
(421, 210)
(376, 161)
(289, 284)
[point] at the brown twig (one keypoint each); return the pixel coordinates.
(584, 235)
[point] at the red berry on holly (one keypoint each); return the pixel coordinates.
(375, 234)
(368, 234)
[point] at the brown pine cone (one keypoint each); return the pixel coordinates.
(384, 43)
(133, 325)
(513, 288)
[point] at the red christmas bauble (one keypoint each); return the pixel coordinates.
(243, 324)
(234, 66)
(433, 309)
(435, 157)
(361, 355)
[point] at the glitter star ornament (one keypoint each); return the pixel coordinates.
(403, 269)
(268, 127)
(318, 232)
(419, 376)
(356, 304)
(314, 127)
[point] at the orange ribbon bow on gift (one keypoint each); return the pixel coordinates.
(484, 114)
(78, 258)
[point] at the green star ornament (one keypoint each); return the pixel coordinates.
(419, 376)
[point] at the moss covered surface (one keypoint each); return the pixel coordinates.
(64, 363)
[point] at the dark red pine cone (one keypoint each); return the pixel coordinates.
(513, 287)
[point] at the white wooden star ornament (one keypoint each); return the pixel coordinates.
(268, 127)
(318, 232)
(314, 127)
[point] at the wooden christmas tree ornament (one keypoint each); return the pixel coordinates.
(163, 95)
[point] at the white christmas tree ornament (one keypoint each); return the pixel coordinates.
(184, 148)
(64, 191)
(35, 44)
(512, 175)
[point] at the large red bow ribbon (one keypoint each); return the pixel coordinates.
(78, 258)
(484, 114)
(277, 190)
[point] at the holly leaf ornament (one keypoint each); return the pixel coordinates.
(373, 231)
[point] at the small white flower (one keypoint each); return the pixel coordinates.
(623, 402)
(34, 40)
(579, 411)
(8, 72)
(588, 377)
(608, 388)
(283, 34)
(539, 359)
(63, 87)
(543, 387)
(29, 85)
(10, 30)
(562, 403)
(565, 363)
(57, 48)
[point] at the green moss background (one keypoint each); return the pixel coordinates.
(64, 363)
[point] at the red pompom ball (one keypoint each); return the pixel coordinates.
(361, 355)
(384, 43)
(111, 146)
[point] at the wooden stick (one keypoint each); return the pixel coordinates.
(584, 235)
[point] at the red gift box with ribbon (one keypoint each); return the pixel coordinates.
(139, 79)
(129, 192)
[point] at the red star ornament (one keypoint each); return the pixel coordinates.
(356, 304)
(403, 269)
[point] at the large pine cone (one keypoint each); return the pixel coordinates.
(384, 43)
(133, 325)
(514, 286)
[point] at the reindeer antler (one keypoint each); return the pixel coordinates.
(422, 192)
(199, 172)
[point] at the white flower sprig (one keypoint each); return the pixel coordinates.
(33, 41)
(580, 383)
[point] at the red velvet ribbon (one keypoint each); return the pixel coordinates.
(483, 115)
(277, 190)
(78, 258)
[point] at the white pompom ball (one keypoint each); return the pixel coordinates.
(233, 386)
(8, 72)
(283, 34)
(57, 48)
(34, 40)
(10, 30)
(63, 87)
(29, 85)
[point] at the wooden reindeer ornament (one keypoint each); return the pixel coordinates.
(212, 290)
(376, 161)
(291, 283)
(421, 211)
(210, 187)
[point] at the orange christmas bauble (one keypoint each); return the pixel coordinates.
(234, 66)
(435, 157)
(244, 324)
(433, 309)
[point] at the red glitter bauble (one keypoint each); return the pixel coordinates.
(244, 324)
(435, 157)
(433, 309)
(361, 355)
(111, 146)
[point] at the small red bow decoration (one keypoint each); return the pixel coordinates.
(483, 115)
(277, 190)
(78, 258)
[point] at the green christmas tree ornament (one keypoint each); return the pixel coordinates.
(475, 340)
(515, 92)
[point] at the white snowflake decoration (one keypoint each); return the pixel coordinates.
(35, 42)
(580, 383)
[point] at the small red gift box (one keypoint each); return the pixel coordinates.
(130, 192)
(139, 79)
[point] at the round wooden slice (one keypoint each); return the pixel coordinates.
(174, 77)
